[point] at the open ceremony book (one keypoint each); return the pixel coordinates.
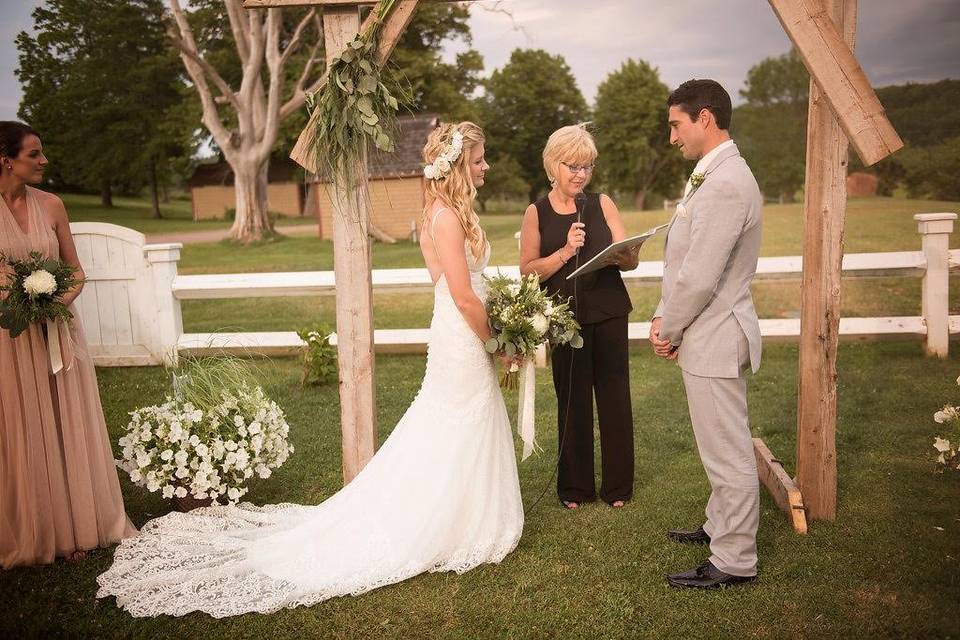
(608, 256)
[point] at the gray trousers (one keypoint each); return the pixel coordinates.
(718, 411)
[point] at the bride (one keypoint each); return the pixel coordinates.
(441, 494)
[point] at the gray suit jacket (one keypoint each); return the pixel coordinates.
(710, 259)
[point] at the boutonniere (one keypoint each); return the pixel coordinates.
(697, 179)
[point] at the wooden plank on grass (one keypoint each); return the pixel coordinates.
(783, 489)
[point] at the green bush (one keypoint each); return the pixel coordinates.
(319, 357)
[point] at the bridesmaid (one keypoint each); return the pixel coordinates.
(59, 492)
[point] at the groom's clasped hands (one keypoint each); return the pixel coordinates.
(662, 348)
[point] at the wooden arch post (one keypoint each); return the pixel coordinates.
(843, 107)
(351, 242)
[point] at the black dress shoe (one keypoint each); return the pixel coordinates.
(689, 537)
(706, 576)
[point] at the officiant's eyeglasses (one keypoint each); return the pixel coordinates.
(577, 168)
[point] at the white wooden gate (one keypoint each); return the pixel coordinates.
(126, 294)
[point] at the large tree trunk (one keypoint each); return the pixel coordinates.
(252, 222)
(154, 189)
(639, 197)
(106, 195)
(533, 193)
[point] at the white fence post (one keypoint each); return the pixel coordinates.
(935, 229)
(168, 323)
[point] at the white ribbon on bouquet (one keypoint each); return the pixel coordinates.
(525, 411)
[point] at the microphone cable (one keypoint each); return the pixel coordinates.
(579, 200)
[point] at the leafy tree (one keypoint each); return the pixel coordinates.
(503, 181)
(632, 134)
(771, 127)
(932, 171)
(532, 96)
(923, 116)
(98, 81)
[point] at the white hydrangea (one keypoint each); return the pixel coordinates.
(39, 283)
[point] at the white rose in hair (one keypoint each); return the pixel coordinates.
(443, 165)
(39, 283)
(429, 173)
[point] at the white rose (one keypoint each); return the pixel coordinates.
(429, 172)
(263, 471)
(941, 445)
(39, 283)
(152, 485)
(167, 455)
(135, 476)
(182, 472)
(143, 459)
(180, 492)
(254, 427)
(168, 491)
(548, 309)
(194, 440)
(202, 450)
(442, 165)
(540, 323)
(940, 417)
(233, 493)
(180, 458)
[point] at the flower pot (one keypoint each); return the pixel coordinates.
(189, 503)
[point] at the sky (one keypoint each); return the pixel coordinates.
(898, 40)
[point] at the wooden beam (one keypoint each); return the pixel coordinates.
(393, 28)
(829, 58)
(783, 490)
(824, 208)
(351, 266)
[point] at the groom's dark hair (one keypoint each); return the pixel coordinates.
(695, 95)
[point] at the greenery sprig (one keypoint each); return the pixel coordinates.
(354, 108)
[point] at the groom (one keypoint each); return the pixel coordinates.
(707, 322)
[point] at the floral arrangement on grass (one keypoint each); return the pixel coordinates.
(35, 290)
(948, 452)
(523, 317)
(319, 357)
(209, 438)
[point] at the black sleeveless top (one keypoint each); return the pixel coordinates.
(601, 294)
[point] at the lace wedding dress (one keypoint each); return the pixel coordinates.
(441, 494)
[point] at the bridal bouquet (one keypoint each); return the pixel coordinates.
(949, 452)
(34, 292)
(208, 439)
(522, 318)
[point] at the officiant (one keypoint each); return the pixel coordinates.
(560, 232)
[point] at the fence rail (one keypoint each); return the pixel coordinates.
(933, 263)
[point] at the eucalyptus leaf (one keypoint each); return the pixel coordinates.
(368, 84)
(491, 345)
(371, 119)
(365, 105)
(349, 55)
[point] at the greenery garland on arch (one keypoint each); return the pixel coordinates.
(354, 107)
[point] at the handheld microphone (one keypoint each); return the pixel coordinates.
(579, 200)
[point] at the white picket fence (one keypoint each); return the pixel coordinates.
(131, 304)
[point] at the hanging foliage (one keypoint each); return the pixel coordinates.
(355, 107)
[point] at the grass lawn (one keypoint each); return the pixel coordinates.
(888, 567)
(136, 213)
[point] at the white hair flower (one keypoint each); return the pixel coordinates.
(443, 163)
(941, 445)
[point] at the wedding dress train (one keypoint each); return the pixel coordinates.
(441, 494)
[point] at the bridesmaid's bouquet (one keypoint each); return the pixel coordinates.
(206, 441)
(34, 292)
(523, 317)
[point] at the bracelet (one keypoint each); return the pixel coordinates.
(562, 259)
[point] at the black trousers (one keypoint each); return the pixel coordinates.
(601, 369)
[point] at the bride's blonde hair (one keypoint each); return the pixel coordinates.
(456, 189)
